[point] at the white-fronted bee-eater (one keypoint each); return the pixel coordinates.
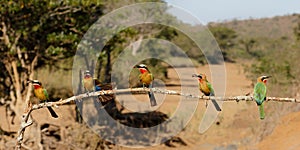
(42, 94)
(91, 84)
(146, 78)
(260, 93)
(206, 88)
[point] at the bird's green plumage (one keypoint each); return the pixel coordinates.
(261, 111)
(211, 90)
(46, 94)
(207, 89)
(42, 94)
(260, 91)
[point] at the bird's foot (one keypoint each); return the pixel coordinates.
(202, 96)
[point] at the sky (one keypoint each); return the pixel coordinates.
(221, 10)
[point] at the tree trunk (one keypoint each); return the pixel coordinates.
(108, 66)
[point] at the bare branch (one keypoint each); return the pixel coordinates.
(17, 81)
(76, 31)
(235, 98)
(26, 116)
(5, 36)
(31, 74)
(14, 46)
(66, 10)
(20, 57)
(25, 122)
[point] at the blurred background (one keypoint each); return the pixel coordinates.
(38, 40)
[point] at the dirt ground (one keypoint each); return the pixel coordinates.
(237, 127)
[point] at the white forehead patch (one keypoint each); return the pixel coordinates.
(142, 65)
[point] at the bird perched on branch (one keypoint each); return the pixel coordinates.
(207, 89)
(93, 84)
(89, 83)
(42, 94)
(260, 92)
(146, 78)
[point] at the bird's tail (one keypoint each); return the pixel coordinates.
(97, 88)
(151, 96)
(105, 86)
(215, 103)
(52, 112)
(261, 111)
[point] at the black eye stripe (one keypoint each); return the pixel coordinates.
(263, 78)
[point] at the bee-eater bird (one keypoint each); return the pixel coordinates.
(260, 92)
(90, 83)
(93, 84)
(206, 88)
(146, 78)
(42, 94)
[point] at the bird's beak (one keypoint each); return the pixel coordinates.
(197, 75)
(29, 81)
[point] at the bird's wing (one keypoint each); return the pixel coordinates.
(82, 82)
(46, 94)
(260, 92)
(34, 94)
(211, 89)
(152, 77)
(106, 86)
(140, 77)
(211, 112)
(96, 81)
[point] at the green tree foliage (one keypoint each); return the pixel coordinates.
(128, 36)
(36, 33)
(225, 38)
(125, 38)
(248, 44)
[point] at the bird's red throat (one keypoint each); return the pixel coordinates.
(143, 70)
(87, 76)
(200, 80)
(36, 86)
